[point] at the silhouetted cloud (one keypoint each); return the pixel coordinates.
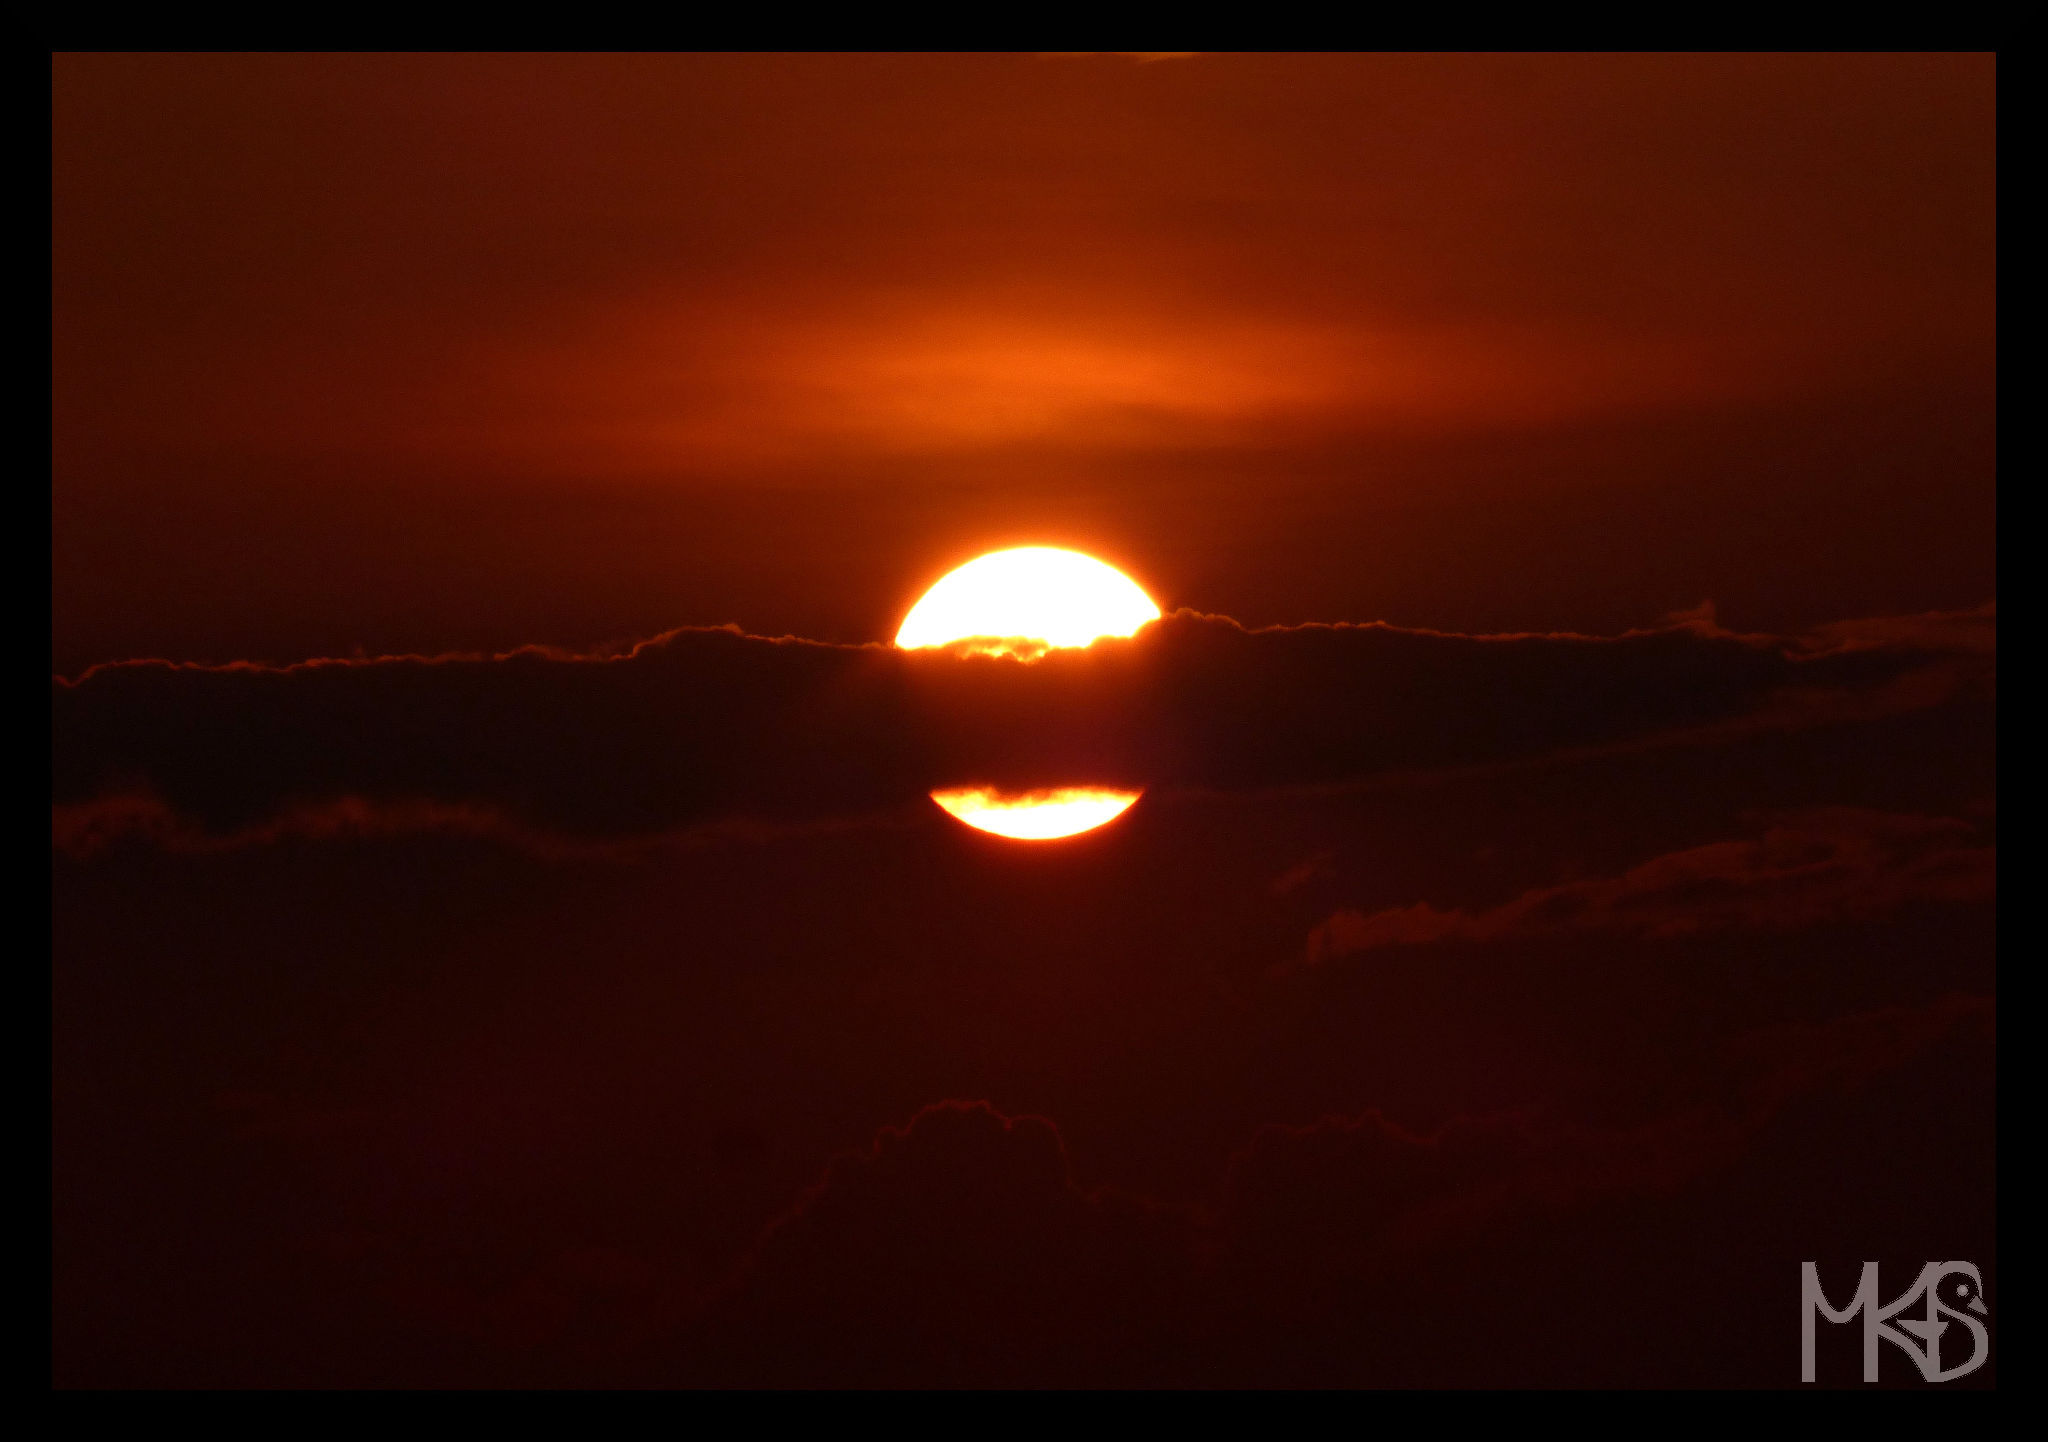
(702, 726)
(958, 1250)
(961, 1250)
(1826, 864)
(1363, 1192)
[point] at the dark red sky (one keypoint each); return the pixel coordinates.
(1516, 992)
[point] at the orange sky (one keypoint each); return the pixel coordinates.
(305, 306)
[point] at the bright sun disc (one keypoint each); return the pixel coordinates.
(1021, 603)
(1035, 815)
(1037, 594)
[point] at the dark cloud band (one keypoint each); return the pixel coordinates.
(712, 725)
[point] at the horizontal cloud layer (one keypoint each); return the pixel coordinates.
(1827, 864)
(712, 725)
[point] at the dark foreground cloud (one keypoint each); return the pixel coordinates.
(961, 1249)
(702, 726)
(1825, 864)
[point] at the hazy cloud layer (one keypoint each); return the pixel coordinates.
(1826, 864)
(702, 726)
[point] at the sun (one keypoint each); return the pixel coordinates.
(1022, 603)
(1026, 600)
(1035, 815)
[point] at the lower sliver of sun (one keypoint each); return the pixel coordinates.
(1035, 815)
(1043, 598)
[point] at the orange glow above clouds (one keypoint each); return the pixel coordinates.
(664, 381)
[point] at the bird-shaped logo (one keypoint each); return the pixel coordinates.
(1965, 1290)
